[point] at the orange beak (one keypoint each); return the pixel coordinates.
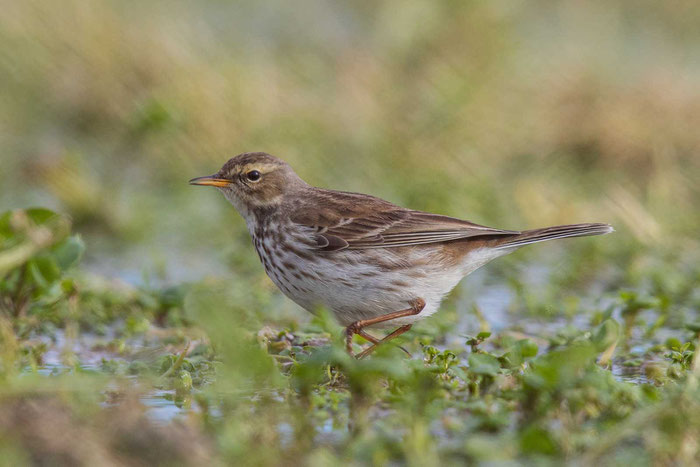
(210, 180)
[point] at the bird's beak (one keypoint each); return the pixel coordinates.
(210, 180)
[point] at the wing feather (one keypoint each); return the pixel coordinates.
(355, 221)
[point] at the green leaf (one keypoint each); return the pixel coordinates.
(607, 334)
(6, 230)
(69, 252)
(539, 440)
(183, 382)
(43, 271)
(24, 233)
(40, 215)
(560, 368)
(527, 348)
(672, 343)
(483, 364)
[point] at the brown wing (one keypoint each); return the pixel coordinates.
(340, 220)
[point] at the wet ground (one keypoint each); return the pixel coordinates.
(93, 353)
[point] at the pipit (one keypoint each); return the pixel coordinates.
(371, 262)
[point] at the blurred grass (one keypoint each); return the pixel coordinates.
(514, 114)
(508, 113)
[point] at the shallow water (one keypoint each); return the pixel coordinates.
(163, 406)
(495, 302)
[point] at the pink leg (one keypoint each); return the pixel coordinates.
(417, 306)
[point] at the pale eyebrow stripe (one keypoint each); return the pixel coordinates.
(263, 168)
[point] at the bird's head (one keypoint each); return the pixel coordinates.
(253, 180)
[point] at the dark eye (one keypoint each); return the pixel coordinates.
(253, 175)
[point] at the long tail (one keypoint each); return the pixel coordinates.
(551, 233)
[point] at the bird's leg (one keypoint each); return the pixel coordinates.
(373, 347)
(376, 341)
(417, 306)
(368, 337)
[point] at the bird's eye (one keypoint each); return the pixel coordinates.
(253, 175)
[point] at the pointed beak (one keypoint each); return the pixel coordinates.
(210, 180)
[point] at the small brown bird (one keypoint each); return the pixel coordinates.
(372, 263)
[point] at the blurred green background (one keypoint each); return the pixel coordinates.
(510, 113)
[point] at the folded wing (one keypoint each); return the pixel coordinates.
(356, 221)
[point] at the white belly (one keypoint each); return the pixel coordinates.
(355, 287)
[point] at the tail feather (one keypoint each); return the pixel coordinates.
(551, 233)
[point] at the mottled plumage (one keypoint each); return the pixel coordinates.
(372, 263)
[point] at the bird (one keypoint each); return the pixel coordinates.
(372, 263)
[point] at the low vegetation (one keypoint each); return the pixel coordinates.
(197, 373)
